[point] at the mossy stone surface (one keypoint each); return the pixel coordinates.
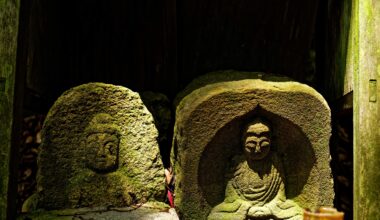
(148, 211)
(208, 128)
(70, 175)
(159, 105)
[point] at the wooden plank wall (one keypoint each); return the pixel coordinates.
(270, 36)
(162, 45)
(131, 43)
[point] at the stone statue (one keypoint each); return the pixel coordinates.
(99, 149)
(102, 139)
(256, 189)
(289, 170)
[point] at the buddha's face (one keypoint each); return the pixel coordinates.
(256, 141)
(104, 151)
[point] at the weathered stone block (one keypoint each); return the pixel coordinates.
(99, 148)
(251, 145)
(146, 211)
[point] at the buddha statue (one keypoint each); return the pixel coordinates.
(255, 187)
(99, 184)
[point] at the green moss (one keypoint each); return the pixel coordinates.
(366, 114)
(67, 168)
(366, 12)
(225, 76)
(43, 216)
(154, 210)
(157, 205)
(8, 40)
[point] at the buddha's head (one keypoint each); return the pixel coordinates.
(102, 141)
(256, 139)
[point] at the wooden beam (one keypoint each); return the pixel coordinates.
(9, 14)
(365, 39)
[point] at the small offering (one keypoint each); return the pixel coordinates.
(323, 213)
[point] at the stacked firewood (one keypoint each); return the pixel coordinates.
(31, 139)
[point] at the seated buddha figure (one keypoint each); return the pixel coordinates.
(255, 187)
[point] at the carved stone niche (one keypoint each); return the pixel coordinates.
(251, 146)
(99, 149)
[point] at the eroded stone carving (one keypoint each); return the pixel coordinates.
(256, 188)
(102, 139)
(99, 148)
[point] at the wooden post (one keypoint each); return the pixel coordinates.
(365, 28)
(9, 16)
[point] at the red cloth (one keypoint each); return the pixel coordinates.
(171, 200)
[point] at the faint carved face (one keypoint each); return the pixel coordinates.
(256, 140)
(104, 151)
(102, 142)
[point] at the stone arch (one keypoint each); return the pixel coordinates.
(226, 143)
(211, 108)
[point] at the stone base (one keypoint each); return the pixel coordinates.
(144, 212)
